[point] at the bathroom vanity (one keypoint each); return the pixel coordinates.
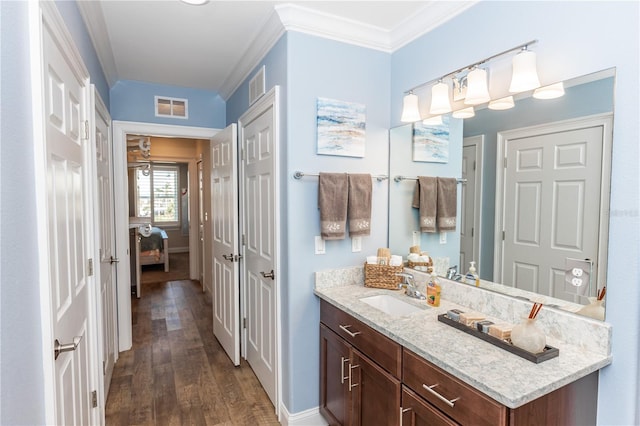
(390, 368)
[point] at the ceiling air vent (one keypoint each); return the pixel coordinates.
(256, 86)
(171, 107)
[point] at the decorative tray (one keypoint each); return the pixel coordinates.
(547, 353)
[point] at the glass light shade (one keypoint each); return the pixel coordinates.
(410, 109)
(525, 74)
(440, 103)
(195, 2)
(436, 120)
(464, 113)
(502, 103)
(551, 91)
(477, 89)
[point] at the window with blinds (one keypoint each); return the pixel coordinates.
(157, 194)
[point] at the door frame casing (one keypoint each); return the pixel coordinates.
(270, 100)
(597, 120)
(121, 207)
(478, 142)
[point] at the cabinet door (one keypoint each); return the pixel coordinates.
(375, 393)
(335, 401)
(417, 412)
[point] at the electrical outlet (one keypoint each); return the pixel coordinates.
(577, 272)
(443, 238)
(356, 244)
(320, 249)
(416, 238)
(577, 276)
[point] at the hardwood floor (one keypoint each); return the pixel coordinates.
(176, 372)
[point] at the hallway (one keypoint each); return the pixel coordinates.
(176, 372)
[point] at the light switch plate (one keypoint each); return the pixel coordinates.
(356, 244)
(320, 249)
(416, 238)
(443, 238)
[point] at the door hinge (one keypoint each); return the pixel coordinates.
(471, 232)
(244, 323)
(86, 130)
(242, 153)
(505, 162)
(503, 235)
(94, 399)
(104, 368)
(90, 267)
(474, 165)
(244, 240)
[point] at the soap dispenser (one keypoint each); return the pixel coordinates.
(433, 290)
(472, 277)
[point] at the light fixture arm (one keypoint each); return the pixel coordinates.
(470, 66)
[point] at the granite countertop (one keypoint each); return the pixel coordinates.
(503, 376)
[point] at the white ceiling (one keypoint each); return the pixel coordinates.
(215, 46)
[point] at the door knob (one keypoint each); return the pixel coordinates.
(268, 275)
(58, 347)
(228, 257)
(114, 260)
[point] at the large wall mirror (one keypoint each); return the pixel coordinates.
(535, 198)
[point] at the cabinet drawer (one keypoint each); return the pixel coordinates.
(381, 349)
(416, 412)
(466, 405)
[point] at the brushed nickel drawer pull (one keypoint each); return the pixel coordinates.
(450, 403)
(345, 329)
(402, 411)
(342, 377)
(351, 384)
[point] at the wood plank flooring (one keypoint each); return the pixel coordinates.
(176, 372)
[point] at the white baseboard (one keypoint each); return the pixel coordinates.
(310, 417)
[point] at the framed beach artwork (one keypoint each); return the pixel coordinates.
(431, 142)
(341, 128)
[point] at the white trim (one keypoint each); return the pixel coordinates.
(121, 207)
(91, 13)
(478, 142)
(270, 100)
(606, 121)
(310, 417)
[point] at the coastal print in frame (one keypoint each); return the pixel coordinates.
(431, 142)
(341, 128)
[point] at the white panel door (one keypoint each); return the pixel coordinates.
(259, 249)
(67, 159)
(552, 197)
(470, 208)
(224, 214)
(104, 159)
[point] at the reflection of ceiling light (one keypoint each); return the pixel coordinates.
(525, 73)
(502, 103)
(436, 120)
(195, 2)
(410, 109)
(440, 103)
(477, 89)
(551, 91)
(464, 113)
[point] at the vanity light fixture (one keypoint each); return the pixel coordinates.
(477, 89)
(464, 113)
(440, 103)
(436, 120)
(551, 91)
(410, 109)
(525, 73)
(195, 2)
(502, 103)
(470, 83)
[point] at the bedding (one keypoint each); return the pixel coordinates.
(154, 248)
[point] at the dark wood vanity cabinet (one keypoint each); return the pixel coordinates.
(355, 389)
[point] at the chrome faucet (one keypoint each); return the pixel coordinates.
(410, 286)
(452, 273)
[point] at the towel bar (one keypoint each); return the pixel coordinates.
(300, 175)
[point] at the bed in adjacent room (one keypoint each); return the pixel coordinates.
(154, 249)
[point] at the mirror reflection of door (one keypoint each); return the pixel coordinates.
(551, 199)
(470, 211)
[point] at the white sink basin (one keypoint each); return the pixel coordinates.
(390, 305)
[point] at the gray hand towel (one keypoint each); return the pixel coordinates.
(359, 210)
(332, 201)
(447, 203)
(424, 198)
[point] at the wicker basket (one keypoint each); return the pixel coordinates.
(382, 276)
(420, 266)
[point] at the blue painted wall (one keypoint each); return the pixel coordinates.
(21, 371)
(575, 38)
(578, 101)
(135, 101)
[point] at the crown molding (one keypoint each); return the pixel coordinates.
(270, 33)
(93, 18)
